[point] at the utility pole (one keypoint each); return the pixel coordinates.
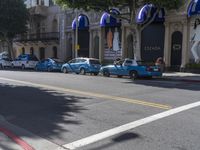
(76, 36)
(76, 33)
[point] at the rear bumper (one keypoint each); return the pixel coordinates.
(151, 74)
(156, 74)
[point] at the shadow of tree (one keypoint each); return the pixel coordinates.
(37, 110)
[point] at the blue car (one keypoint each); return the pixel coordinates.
(82, 66)
(49, 64)
(131, 68)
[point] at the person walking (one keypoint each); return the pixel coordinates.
(196, 41)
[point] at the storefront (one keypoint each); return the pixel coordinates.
(111, 28)
(83, 35)
(152, 36)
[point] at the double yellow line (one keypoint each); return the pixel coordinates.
(91, 94)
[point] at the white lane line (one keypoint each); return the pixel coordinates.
(129, 126)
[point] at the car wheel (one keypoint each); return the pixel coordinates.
(106, 73)
(23, 66)
(96, 74)
(82, 71)
(65, 70)
(133, 75)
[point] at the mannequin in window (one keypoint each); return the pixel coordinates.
(110, 39)
(196, 41)
(116, 40)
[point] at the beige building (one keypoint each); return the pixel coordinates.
(52, 34)
(42, 38)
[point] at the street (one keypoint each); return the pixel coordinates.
(51, 111)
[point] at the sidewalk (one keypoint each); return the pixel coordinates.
(16, 138)
(181, 76)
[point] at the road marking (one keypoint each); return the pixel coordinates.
(97, 95)
(16, 139)
(129, 126)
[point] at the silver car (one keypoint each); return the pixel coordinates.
(5, 62)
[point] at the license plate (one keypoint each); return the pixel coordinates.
(155, 69)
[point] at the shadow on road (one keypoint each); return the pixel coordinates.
(40, 111)
(167, 83)
(118, 140)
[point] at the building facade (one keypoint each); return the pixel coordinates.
(42, 38)
(52, 34)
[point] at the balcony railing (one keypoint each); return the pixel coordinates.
(43, 37)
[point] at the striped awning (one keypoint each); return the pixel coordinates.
(147, 12)
(83, 22)
(107, 20)
(194, 8)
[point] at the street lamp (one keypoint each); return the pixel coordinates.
(76, 33)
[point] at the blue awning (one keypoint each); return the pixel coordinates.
(83, 22)
(109, 21)
(147, 12)
(194, 8)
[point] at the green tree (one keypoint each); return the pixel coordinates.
(14, 18)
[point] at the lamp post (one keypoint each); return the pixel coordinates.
(76, 33)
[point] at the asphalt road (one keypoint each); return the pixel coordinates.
(48, 110)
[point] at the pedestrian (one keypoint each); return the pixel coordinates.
(160, 63)
(196, 40)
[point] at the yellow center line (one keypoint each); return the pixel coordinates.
(92, 94)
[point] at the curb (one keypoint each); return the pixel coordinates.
(183, 80)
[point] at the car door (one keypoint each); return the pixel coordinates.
(18, 62)
(72, 64)
(80, 63)
(7, 62)
(126, 67)
(42, 65)
(47, 64)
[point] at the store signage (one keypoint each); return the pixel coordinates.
(152, 48)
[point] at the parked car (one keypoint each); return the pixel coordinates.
(25, 61)
(5, 62)
(132, 68)
(82, 66)
(49, 64)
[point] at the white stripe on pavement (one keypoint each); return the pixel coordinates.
(129, 126)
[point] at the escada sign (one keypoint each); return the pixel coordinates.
(152, 48)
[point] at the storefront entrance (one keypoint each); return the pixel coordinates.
(176, 49)
(152, 42)
(83, 41)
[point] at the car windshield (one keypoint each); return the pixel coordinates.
(94, 61)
